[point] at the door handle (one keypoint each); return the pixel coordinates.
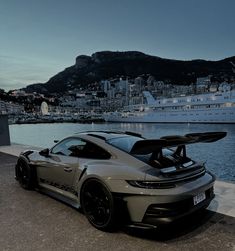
(68, 169)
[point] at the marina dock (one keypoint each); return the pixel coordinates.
(34, 221)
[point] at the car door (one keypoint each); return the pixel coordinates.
(59, 168)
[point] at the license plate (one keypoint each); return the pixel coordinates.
(199, 198)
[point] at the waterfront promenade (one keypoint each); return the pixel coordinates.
(33, 221)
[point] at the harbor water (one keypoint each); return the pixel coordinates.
(219, 156)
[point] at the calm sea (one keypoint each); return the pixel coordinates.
(219, 156)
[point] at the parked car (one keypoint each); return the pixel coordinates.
(122, 177)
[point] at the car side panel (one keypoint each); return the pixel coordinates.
(56, 172)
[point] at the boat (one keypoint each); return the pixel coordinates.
(210, 107)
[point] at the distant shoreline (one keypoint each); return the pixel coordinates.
(82, 121)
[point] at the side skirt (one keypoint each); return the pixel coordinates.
(58, 194)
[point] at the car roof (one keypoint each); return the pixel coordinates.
(106, 135)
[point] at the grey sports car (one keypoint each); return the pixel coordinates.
(122, 177)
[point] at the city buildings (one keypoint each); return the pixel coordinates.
(109, 95)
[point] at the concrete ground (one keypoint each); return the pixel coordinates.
(30, 220)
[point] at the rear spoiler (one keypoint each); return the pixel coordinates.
(147, 146)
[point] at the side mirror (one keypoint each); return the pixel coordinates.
(45, 152)
(56, 141)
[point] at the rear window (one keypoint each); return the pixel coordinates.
(124, 143)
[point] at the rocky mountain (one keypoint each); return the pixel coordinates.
(107, 64)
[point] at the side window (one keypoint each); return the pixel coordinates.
(92, 151)
(81, 149)
(69, 147)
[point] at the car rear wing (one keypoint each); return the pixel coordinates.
(147, 146)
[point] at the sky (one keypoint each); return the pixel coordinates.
(41, 38)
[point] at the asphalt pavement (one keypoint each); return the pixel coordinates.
(30, 220)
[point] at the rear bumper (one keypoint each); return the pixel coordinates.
(160, 214)
(163, 206)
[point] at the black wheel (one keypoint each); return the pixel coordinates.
(98, 205)
(25, 175)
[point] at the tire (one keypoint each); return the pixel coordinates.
(25, 175)
(98, 205)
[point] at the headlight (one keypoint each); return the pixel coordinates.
(150, 184)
